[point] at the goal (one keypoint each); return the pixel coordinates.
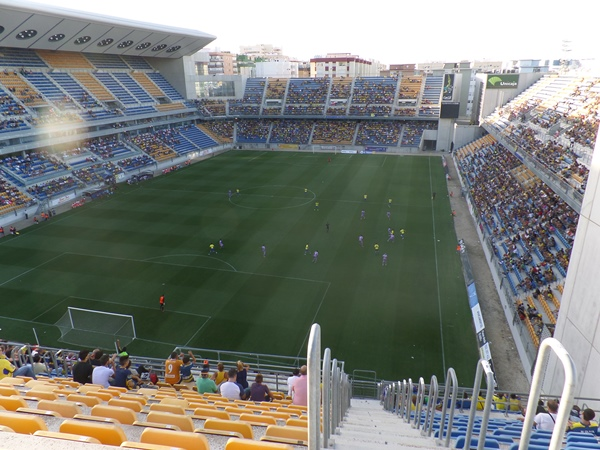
(91, 328)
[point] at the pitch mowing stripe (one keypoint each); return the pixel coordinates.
(437, 270)
(32, 269)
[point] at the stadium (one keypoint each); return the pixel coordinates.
(430, 229)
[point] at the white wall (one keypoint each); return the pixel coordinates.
(578, 327)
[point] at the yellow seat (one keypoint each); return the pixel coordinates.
(22, 423)
(173, 409)
(258, 420)
(104, 396)
(146, 446)
(5, 429)
(236, 411)
(245, 444)
(111, 392)
(174, 401)
(86, 400)
(108, 434)
(131, 404)
(184, 422)
(64, 408)
(13, 402)
(89, 387)
(277, 414)
(8, 390)
(134, 398)
(209, 413)
(181, 439)
(258, 408)
(234, 426)
(286, 434)
(124, 415)
(68, 383)
(67, 437)
(42, 395)
(12, 381)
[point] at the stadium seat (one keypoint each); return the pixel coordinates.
(258, 420)
(173, 409)
(64, 408)
(88, 388)
(235, 410)
(12, 381)
(278, 414)
(181, 439)
(66, 437)
(184, 422)
(174, 401)
(253, 407)
(245, 444)
(22, 423)
(123, 415)
(105, 397)
(209, 413)
(8, 390)
(234, 426)
(41, 395)
(131, 404)
(108, 434)
(146, 446)
(488, 444)
(286, 435)
(85, 399)
(13, 402)
(110, 392)
(134, 398)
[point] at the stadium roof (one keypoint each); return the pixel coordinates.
(30, 25)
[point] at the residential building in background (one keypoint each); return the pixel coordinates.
(342, 65)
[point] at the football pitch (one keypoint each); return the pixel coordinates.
(410, 318)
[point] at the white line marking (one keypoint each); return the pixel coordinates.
(194, 255)
(314, 318)
(51, 308)
(437, 271)
(32, 269)
(197, 331)
(257, 156)
(383, 161)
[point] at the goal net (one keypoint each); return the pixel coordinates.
(90, 328)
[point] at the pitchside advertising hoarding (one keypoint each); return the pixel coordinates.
(502, 81)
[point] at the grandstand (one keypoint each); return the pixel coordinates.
(75, 119)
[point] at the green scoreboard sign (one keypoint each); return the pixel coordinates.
(502, 81)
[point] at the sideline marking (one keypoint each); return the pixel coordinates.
(314, 318)
(192, 254)
(437, 272)
(32, 269)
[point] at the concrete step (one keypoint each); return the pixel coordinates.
(367, 426)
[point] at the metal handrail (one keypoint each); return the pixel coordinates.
(314, 387)
(431, 405)
(419, 403)
(566, 398)
(451, 384)
(483, 366)
(326, 396)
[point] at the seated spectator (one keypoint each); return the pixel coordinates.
(260, 392)
(82, 370)
(186, 368)
(124, 376)
(242, 374)
(105, 371)
(39, 367)
(231, 389)
(204, 383)
(586, 423)
(300, 388)
(546, 420)
(220, 375)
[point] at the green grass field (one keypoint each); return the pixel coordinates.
(119, 255)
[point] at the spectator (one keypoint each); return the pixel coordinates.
(173, 369)
(95, 357)
(124, 377)
(103, 372)
(300, 388)
(586, 423)
(242, 374)
(546, 420)
(204, 383)
(231, 389)
(188, 362)
(82, 370)
(260, 392)
(219, 376)
(291, 380)
(39, 368)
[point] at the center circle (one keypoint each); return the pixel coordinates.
(272, 197)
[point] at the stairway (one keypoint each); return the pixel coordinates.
(367, 426)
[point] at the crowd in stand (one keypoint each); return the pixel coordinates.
(33, 164)
(374, 91)
(156, 144)
(378, 133)
(291, 131)
(523, 220)
(334, 131)
(276, 88)
(214, 107)
(97, 173)
(135, 162)
(104, 147)
(238, 107)
(308, 91)
(254, 92)
(307, 110)
(221, 129)
(10, 195)
(411, 136)
(370, 110)
(253, 130)
(340, 88)
(53, 187)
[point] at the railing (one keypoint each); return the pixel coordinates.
(451, 386)
(483, 367)
(536, 386)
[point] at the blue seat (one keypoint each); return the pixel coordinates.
(489, 443)
(531, 446)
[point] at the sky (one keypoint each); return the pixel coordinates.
(389, 31)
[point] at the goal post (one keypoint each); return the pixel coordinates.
(92, 328)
